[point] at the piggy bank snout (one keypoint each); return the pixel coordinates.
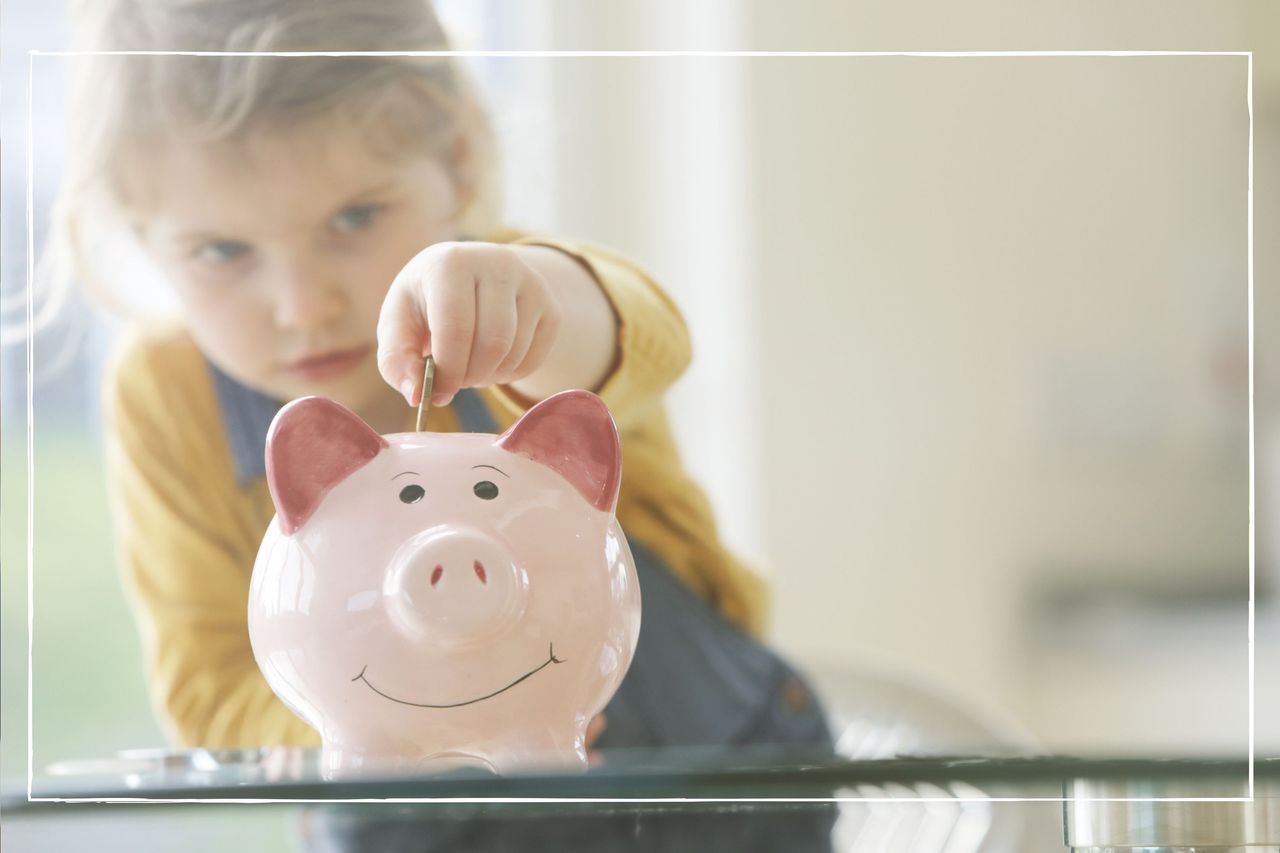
(454, 585)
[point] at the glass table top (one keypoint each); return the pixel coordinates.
(688, 799)
(281, 773)
(704, 773)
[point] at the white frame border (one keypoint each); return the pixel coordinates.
(30, 438)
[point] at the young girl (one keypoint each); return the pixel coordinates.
(324, 222)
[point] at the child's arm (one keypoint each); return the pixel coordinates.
(186, 547)
(595, 321)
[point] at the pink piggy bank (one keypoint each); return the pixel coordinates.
(426, 600)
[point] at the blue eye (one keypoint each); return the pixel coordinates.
(356, 218)
(221, 251)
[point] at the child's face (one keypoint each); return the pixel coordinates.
(281, 254)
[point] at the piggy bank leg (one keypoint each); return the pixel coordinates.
(340, 761)
(559, 748)
(355, 757)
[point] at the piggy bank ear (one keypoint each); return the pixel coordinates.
(313, 445)
(573, 434)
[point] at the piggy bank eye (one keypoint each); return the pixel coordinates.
(485, 490)
(412, 494)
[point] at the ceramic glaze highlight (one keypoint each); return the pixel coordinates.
(425, 600)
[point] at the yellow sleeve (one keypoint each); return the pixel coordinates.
(662, 506)
(653, 340)
(186, 555)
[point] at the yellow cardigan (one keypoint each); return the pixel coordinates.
(187, 531)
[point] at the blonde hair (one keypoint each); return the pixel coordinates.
(120, 104)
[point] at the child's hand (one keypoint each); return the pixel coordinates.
(484, 313)
(594, 728)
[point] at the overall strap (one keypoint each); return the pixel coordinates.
(473, 414)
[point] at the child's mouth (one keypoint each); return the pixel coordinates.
(328, 365)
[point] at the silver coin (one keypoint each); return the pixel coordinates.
(428, 380)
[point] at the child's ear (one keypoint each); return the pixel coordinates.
(573, 434)
(460, 163)
(460, 153)
(314, 444)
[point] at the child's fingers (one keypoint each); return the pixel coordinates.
(451, 307)
(544, 337)
(402, 339)
(495, 333)
(507, 370)
(594, 728)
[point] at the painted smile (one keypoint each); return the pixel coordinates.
(551, 658)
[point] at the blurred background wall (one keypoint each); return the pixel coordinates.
(970, 381)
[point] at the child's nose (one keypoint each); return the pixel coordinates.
(306, 297)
